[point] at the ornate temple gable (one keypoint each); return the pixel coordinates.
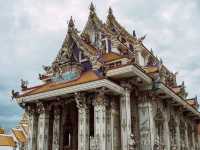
(116, 28)
(119, 35)
(127, 41)
(94, 30)
(157, 70)
(74, 57)
(193, 102)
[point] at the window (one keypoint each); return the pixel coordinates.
(67, 139)
(103, 44)
(91, 121)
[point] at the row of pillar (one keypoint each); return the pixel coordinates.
(103, 123)
(152, 113)
(39, 124)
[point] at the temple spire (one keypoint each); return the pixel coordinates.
(71, 23)
(110, 11)
(92, 8)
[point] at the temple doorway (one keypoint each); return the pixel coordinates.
(70, 128)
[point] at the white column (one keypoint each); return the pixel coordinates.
(83, 122)
(178, 137)
(166, 132)
(100, 121)
(125, 115)
(56, 128)
(43, 127)
(115, 126)
(32, 127)
(108, 129)
(186, 136)
(193, 136)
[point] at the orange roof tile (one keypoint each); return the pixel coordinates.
(7, 140)
(111, 56)
(151, 69)
(84, 78)
(1, 131)
(177, 89)
(20, 136)
(193, 102)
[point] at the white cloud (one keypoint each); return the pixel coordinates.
(32, 32)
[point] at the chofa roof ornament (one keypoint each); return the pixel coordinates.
(141, 39)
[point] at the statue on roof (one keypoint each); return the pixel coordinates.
(14, 94)
(47, 69)
(183, 92)
(24, 84)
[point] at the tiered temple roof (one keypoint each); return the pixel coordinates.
(18, 136)
(97, 52)
(7, 140)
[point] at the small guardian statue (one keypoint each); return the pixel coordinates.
(47, 69)
(14, 94)
(132, 142)
(156, 144)
(94, 143)
(174, 147)
(24, 84)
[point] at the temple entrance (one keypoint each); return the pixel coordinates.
(70, 128)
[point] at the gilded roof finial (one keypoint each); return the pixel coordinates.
(92, 8)
(110, 11)
(71, 23)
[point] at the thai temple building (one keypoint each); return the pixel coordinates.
(17, 139)
(20, 133)
(106, 91)
(6, 141)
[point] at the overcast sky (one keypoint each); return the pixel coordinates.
(32, 31)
